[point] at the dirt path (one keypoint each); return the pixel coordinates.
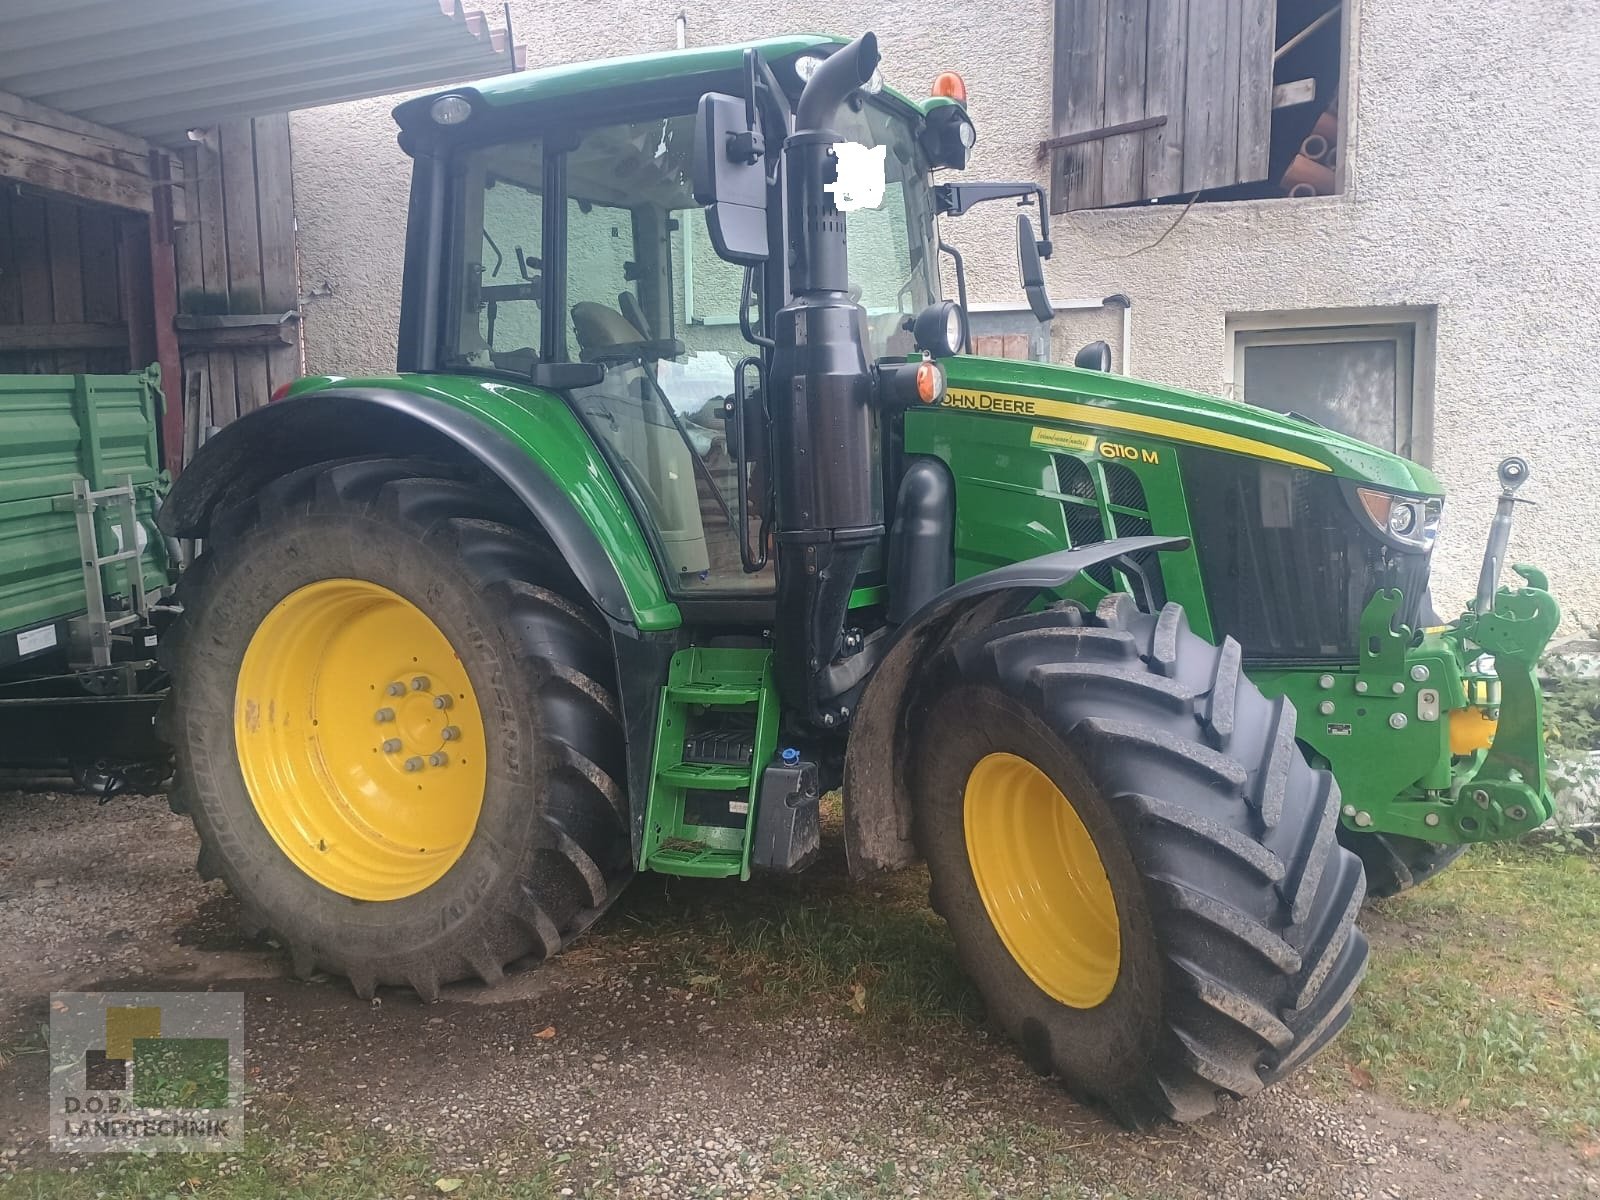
(648, 1089)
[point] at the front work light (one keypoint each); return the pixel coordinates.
(940, 329)
(450, 110)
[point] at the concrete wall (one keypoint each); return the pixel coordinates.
(1472, 191)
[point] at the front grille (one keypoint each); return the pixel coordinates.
(1287, 563)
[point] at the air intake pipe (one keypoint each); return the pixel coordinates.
(830, 503)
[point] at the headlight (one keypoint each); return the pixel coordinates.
(940, 329)
(1411, 520)
(450, 110)
(806, 66)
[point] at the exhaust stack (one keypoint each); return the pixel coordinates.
(830, 504)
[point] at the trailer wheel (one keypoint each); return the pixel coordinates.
(396, 729)
(1137, 864)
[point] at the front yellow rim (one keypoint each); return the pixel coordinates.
(360, 739)
(1042, 881)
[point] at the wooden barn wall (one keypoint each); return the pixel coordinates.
(74, 285)
(236, 256)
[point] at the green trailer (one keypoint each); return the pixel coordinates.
(82, 572)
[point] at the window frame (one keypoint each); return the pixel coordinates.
(1412, 329)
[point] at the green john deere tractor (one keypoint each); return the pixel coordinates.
(677, 516)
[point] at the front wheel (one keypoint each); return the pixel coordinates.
(1137, 864)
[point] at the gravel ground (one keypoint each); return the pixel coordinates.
(633, 1087)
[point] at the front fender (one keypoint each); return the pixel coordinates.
(877, 800)
(527, 438)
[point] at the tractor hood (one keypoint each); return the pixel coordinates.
(1050, 394)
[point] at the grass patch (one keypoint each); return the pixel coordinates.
(294, 1165)
(875, 952)
(1483, 998)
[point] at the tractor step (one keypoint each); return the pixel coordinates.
(717, 728)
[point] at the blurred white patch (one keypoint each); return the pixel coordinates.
(861, 175)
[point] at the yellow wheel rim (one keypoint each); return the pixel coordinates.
(360, 739)
(1042, 880)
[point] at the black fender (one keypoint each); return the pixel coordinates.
(337, 423)
(877, 804)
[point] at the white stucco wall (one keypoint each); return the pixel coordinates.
(1472, 189)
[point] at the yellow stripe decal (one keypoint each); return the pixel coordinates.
(1111, 418)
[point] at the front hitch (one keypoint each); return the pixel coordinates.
(1509, 790)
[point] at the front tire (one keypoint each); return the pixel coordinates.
(396, 727)
(1196, 936)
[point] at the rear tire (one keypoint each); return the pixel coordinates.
(549, 846)
(1235, 906)
(1395, 864)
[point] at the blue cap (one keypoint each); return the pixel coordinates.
(791, 755)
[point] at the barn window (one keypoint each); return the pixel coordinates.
(1175, 100)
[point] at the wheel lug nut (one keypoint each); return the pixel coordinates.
(450, 733)
(384, 714)
(413, 763)
(442, 701)
(391, 746)
(419, 683)
(438, 758)
(396, 689)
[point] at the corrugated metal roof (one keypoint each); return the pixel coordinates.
(157, 68)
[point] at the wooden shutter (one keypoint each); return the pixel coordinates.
(1159, 97)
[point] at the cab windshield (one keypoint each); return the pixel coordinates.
(643, 294)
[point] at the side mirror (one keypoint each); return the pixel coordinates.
(1096, 356)
(730, 178)
(1031, 267)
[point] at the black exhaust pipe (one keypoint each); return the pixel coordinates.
(830, 507)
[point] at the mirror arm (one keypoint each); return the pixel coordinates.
(961, 293)
(955, 199)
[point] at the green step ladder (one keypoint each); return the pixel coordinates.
(708, 685)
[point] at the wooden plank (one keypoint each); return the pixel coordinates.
(66, 275)
(33, 271)
(1210, 106)
(97, 241)
(1300, 91)
(133, 257)
(243, 236)
(1257, 33)
(186, 241)
(280, 283)
(163, 313)
(74, 145)
(82, 178)
(1122, 168)
(39, 114)
(1166, 77)
(268, 337)
(10, 285)
(78, 335)
(212, 224)
(1080, 42)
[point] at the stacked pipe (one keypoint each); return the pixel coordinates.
(1312, 171)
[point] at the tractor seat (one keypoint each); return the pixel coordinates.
(599, 326)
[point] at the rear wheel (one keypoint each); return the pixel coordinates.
(1137, 864)
(396, 729)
